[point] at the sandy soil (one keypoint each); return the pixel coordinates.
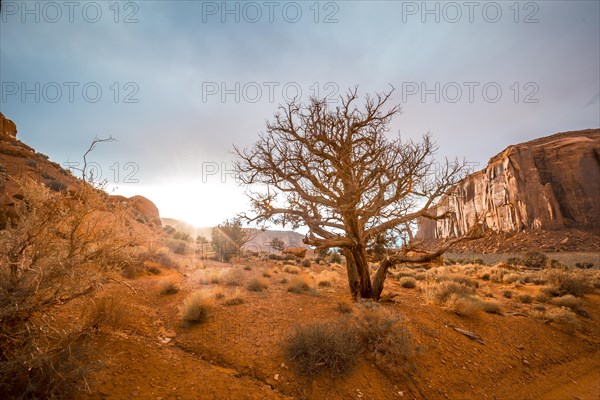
(238, 352)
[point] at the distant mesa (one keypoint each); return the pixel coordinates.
(551, 183)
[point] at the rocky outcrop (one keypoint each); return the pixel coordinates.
(549, 183)
(7, 127)
(146, 210)
(19, 161)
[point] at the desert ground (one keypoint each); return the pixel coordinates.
(441, 331)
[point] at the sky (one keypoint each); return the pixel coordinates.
(179, 83)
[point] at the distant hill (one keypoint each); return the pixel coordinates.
(262, 240)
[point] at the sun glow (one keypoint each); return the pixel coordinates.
(200, 204)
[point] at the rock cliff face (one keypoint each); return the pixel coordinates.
(549, 183)
(7, 127)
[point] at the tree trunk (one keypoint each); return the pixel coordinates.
(353, 279)
(358, 273)
(362, 267)
(379, 279)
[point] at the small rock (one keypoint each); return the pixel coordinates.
(525, 362)
(276, 377)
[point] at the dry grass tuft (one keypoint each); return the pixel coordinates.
(299, 285)
(344, 307)
(323, 348)
(234, 301)
(234, 277)
(168, 286)
(466, 306)
(562, 283)
(256, 285)
(442, 291)
(408, 282)
(108, 311)
(195, 309)
(526, 299)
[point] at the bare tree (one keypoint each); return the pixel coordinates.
(229, 237)
(335, 171)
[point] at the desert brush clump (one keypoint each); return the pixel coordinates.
(408, 282)
(195, 308)
(329, 348)
(108, 311)
(234, 301)
(344, 307)
(300, 284)
(441, 292)
(386, 340)
(168, 286)
(334, 347)
(561, 283)
(234, 277)
(459, 298)
(256, 285)
(59, 248)
(562, 316)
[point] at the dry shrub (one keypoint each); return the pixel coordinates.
(408, 282)
(542, 297)
(153, 270)
(568, 301)
(344, 307)
(210, 277)
(562, 283)
(195, 309)
(533, 277)
(329, 348)
(525, 298)
(108, 311)
(256, 285)
(290, 269)
(466, 306)
(168, 286)
(420, 276)
(492, 307)
(441, 292)
(387, 342)
(234, 277)
(511, 278)
(458, 278)
(234, 301)
(564, 317)
(326, 278)
(507, 293)
(266, 273)
(401, 274)
(299, 285)
(218, 293)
